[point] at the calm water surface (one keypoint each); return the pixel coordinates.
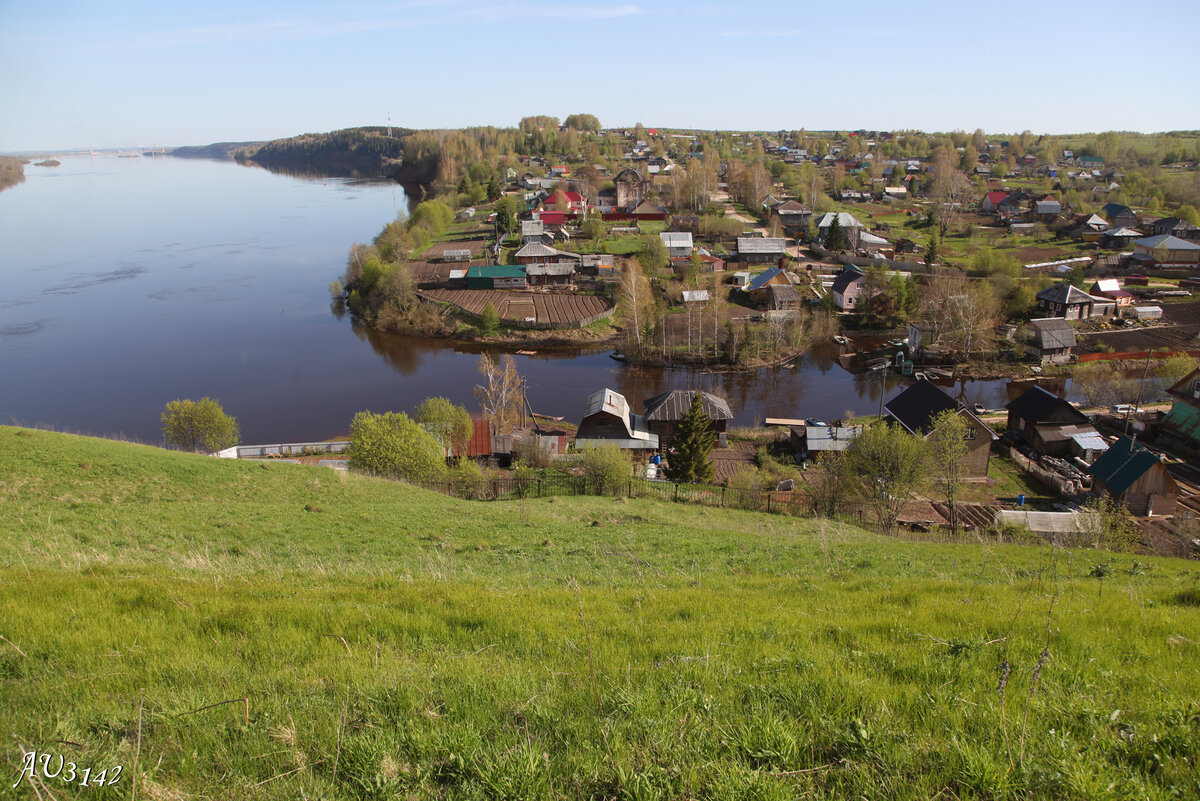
(130, 282)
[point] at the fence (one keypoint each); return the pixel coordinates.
(784, 502)
(1136, 355)
(282, 449)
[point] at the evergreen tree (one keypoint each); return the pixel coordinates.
(931, 252)
(493, 189)
(489, 320)
(694, 440)
(835, 240)
(464, 185)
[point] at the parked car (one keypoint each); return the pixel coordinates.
(1125, 408)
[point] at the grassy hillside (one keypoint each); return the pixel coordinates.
(390, 642)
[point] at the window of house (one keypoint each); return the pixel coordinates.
(970, 434)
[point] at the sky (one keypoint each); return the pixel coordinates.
(138, 74)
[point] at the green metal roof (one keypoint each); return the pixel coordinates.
(1123, 464)
(497, 271)
(1183, 419)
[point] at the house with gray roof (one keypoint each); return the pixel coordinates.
(663, 413)
(850, 225)
(678, 244)
(1175, 226)
(608, 420)
(1049, 340)
(1165, 250)
(761, 250)
(1072, 303)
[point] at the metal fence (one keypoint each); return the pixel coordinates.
(785, 502)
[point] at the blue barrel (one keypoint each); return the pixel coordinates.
(1020, 500)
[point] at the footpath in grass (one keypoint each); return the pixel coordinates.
(390, 642)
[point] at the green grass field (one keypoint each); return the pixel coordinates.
(388, 642)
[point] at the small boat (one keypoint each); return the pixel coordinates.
(815, 421)
(620, 357)
(841, 340)
(527, 353)
(558, 418)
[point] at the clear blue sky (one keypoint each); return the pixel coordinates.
(142, 73)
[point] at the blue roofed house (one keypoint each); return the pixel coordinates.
(772, 289)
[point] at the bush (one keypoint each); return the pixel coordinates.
(392, 444)
(608, 468)
(467, 480)
(198, 425)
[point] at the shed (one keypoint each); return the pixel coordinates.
(1147, 312)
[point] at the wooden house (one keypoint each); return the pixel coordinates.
(560, 273)
(992, 200)
(1120, 216)
(1176, 227)
(537, 253)
(1119, 238)
(1136, 477)
(1051, 426)
(1072, 303)
(608, 420)
(663, 413)
(534, 232)
(792, 217)
(916, 408)
(759, 286)
(1182, 423)
(1049, 340)
(850, 224)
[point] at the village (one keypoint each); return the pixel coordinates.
(980, 258)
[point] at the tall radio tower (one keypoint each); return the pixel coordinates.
(389, 125)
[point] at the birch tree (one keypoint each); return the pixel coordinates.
(634, 299)
(501, 395)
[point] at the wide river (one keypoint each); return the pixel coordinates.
(129, 282)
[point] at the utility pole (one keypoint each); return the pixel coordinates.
(389, 125)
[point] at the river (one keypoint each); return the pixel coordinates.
(129, 282)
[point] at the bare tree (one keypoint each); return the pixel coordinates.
(952, 191)
(634, 299)
(501, 395)
(963, 312)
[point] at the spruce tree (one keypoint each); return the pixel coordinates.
(835, 240)
(694, 440)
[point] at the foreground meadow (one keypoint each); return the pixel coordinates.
(374, 640)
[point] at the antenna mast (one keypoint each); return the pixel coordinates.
(389, 125)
